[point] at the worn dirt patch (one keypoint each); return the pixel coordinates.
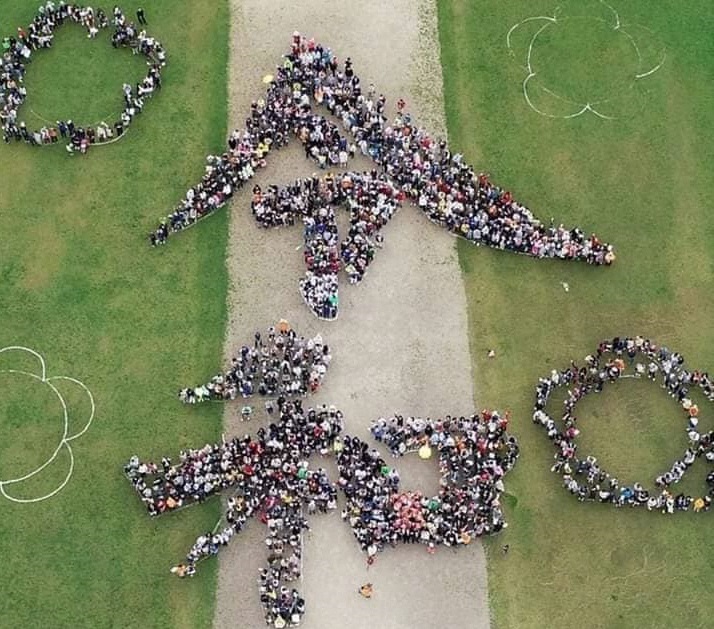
(400, 344)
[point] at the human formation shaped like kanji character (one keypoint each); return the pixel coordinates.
(627, 357)
(371, 201)
(269, 476)
(423, 169)
(265, 476)
(474, 452)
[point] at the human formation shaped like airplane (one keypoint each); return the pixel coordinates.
(409, 165)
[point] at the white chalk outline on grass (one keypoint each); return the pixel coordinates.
(66, 438)
(114, 138)
(588, 106)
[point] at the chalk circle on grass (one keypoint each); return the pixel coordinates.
(584, 59)
(18, 51)
(38, 372)
(628, 358)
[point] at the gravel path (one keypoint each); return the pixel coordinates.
(401, 342)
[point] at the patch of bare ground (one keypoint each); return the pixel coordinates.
(400, 344)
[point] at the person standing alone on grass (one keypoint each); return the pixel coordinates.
(141, 16)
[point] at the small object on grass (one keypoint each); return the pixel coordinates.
(491, 353)
(182, 570)
(505, 548)
(566, 286)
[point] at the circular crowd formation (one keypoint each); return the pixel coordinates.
(614, 359)
(280, 363)
(17, 52)
(422, 168)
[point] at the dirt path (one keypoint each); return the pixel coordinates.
(400, 343)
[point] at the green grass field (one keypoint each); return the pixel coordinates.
(643, 183)
(79, 284)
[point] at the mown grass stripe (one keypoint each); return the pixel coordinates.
(79, 282)
(642, 183)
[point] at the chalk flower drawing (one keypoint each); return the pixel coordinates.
(603, 77)
(39, 373)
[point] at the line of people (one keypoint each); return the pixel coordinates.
(440, 182)
(279, 363)
(17, 52)
(622, 357)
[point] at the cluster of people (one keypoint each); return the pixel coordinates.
(371, 201)
(285, 110)
(474, 455)
(424, 169)
(625, 357)
(17, 52)
(269, 478)
(278, 364)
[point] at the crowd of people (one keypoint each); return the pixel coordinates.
(636, 357)
(474, 455)
(278, 364)
(424, 169)
(371, 201)
(269, 478)
(18, 50)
